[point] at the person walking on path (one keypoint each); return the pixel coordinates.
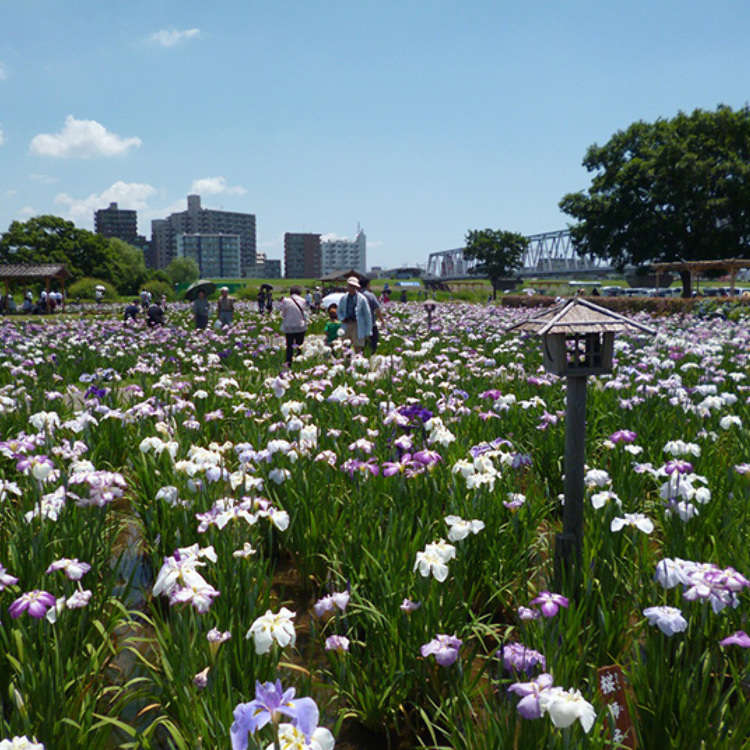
(376, 314)
(201, 310)
(354, 313)
(225, 307)
(293, 322)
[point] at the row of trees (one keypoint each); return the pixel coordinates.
(671, 190)
(50, 239)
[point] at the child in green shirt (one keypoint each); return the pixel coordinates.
(333, 325)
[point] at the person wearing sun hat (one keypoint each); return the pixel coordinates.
(354, 313)
(225, 307)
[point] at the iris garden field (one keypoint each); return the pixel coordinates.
(187, 534)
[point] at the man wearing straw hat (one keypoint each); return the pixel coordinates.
(354, 313)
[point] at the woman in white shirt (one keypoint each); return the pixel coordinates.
(293, 321)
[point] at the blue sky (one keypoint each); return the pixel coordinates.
(421, 120)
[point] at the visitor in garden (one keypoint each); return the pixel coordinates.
(28, 304)
(201, 309)
(131, 311)
(145, 299)
(269, 301)
(354, 313)
(261, 300)
(155, 315)
(332, 326)
(376, 314)
(293, 322)
(403, 295)
(317, 299)
(225, 307)
(308, 299)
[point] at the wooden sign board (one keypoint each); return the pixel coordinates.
(612, 689)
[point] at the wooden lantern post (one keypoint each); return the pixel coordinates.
(577, 341)
(429, 306)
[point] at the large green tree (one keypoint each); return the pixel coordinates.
(50, 239)
(671, 190)
(500, 253)
(127, 267)
(181, 270)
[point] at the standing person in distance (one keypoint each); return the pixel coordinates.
(201, 310)
(317, 299)
(261, 298)
(269, 301)
(376, 314)
(225, 307)
(354, 313)
(293, 322)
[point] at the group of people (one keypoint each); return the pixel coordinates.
(357, 313)
(224, 309)
(47, 302)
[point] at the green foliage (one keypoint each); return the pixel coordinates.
(160, 275)
(86, 289)
(127, 267)
(670, 190)
(499, 252)
(158, 288)
(50, 239)
(182, 270)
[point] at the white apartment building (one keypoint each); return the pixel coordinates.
(343, 254)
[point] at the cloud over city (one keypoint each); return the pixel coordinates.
(127, 195)
(82, 139)
(172, 37)
(214, 186)
(3, 72)
(2, 137)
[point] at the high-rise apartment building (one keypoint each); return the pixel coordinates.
(302, 259)
(197, 220)
(117, 222)
(217, 255)
(344, 254)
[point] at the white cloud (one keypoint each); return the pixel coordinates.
(10, 193)
(3, 72)
(2, 137)
(81, 138)
(44, 179)
(215, 185)
(131, 195)
(171, 37)
(28, 211)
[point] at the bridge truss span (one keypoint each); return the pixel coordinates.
(547, 253)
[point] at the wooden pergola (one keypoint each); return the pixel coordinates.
(32, 273)
(695, 267)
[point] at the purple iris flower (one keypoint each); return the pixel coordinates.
(518, 658)
(6, 579)
(271, 701)
(681, 467)
(444, 648)
(622, 436)
(739, 638)
(35, 602)
(494, 394)
(550, 603)
(529, 706)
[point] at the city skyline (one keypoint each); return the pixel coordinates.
(419, 121)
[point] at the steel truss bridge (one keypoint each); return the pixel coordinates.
(548, 254)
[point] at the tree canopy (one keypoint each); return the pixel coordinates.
(670, 190)
(499, 253)
(181, 270)
(50, 239)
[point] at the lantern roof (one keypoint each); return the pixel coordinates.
(577, 316)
